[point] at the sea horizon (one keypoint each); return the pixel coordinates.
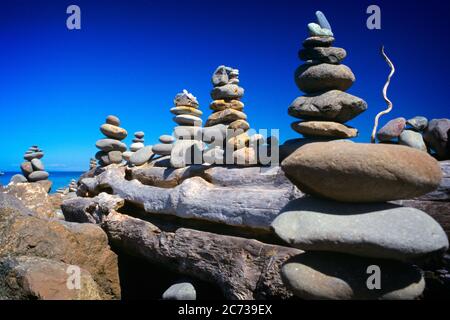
(60, 179)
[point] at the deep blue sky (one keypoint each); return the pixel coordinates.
(132, 56)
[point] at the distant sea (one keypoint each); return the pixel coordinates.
(59, 178)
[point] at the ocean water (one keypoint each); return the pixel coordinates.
(59, 178)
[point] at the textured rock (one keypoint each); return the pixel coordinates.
(316, 30)
(324, 129)
(18, 178)
(392, 129)
(83, 245)
(185, 99)
(26, 168)
(34, 196)
(412, 139)
(227, 92)
(371, 230)
(326, 55)
(333, 105)
(31, 278)
(313, 42)
(113, 132)
(180, 291)
(442, 193)
(141, 156)
(418, 123)
(239, 125)
(355, 172)
(332, 276)
(220, 105)
(225, 116)
(437, 137)
(186, 110)
(312, 78)
(244, 268)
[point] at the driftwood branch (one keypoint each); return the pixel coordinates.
(389, 102)
(243, 268)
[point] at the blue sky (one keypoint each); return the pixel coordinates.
(132, 56)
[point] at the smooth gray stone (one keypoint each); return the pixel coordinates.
(196, 198)
(136, 146)
(26, 168)
(333, 105)
(333, 276)
(412, 139)
(38, 176)
(186, 152)
(370, 230)
(166, 139)
(314, 78)
(37, 165)
(418, 123)
(113, 120)
(111, 145)
(141, 156)
(162, 149)
(188, 120)
(180, 291)
(322, 20)
(139, 134)
(228, 91)
(18, 178)
(185, 99)
(115, 157)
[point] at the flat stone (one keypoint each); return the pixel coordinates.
(186, 152)
(142, 156)
(166, 139)
(356, 172)
(220, 105)
(324, 129)
(313, 42)
(333, 105)
(37, 176)
(418, 123)
(437, 137)
(188, 120)
(225, 117)
(136, 140)
(391, 130)
(37, 165)
(333, 276)
(326, 55)
(186, 110)
(162, 149)
(139, 134)
(412, 139)
(187, 132)
(107, 145)
(113, 132)
(26, 168)
(227, 92)
(115, 157)
(313, 78)
(372, 230)
(180, 291)
(136, 146)
(113, 120)
(18, 178)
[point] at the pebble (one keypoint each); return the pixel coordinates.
(136, 146)
(142, 156)
(166, 139)
(324, 129)
(326, 55)
(113, 132)
(113, 120)
(314, 42)
(437, 137)
(139, 135)
(418, 123)
(227, 92)
(37, 165)
(115, 157)
(26, 168)
(162, 149)
(412, 139)
(185, 99)
(180, 291)
(323, 77)
(18, 178)
(391, 130)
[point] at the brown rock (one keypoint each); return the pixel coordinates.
(220, 105)
(324, 129)
(113, 132)
(226, 116)
(356, 172)
(239, 125)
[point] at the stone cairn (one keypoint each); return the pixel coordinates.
(227, 121)
(418, 133)
(92, 163)
(111, 147)
(73, 186)
(138, 144)
(187, 147)
(33, 169)
(326, 105)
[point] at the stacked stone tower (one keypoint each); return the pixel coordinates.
(111, 147)
(33, 169)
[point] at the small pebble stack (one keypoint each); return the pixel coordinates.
(326, 106)
(73, 186)
(33, 169)
(111, 147)
(92, 163)
(138, 144)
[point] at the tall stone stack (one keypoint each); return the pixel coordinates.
(326, 106)
(188, 146)
(33, 169)
(111, 147)
(227, 120)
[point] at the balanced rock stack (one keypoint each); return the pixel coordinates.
(92, 163)
(357, 233)
(326, 106)
(227, 121)
(33, 169)
(73, 186)
(111, 147)
(138, 144)
(188, 146)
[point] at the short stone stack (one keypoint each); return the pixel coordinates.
(227, 121)
(73, 186)
(111, 147)
(326, 106)
(357, 233)
(92, 163)
(138, 144)
(187, 148)
(33, 169)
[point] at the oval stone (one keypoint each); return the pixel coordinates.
(412, 139)
(162, 149)
(357, 172)
(324, 129)
(136, 146)
(188, 120)
(113, 120)
(186, 110)
(37, 165)
(26, 168)
(139, 134)
(38, 176)
(111, 145)
(115, 157)
(165, 138)
(227, 92)
(141, 156)
(113, 132)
